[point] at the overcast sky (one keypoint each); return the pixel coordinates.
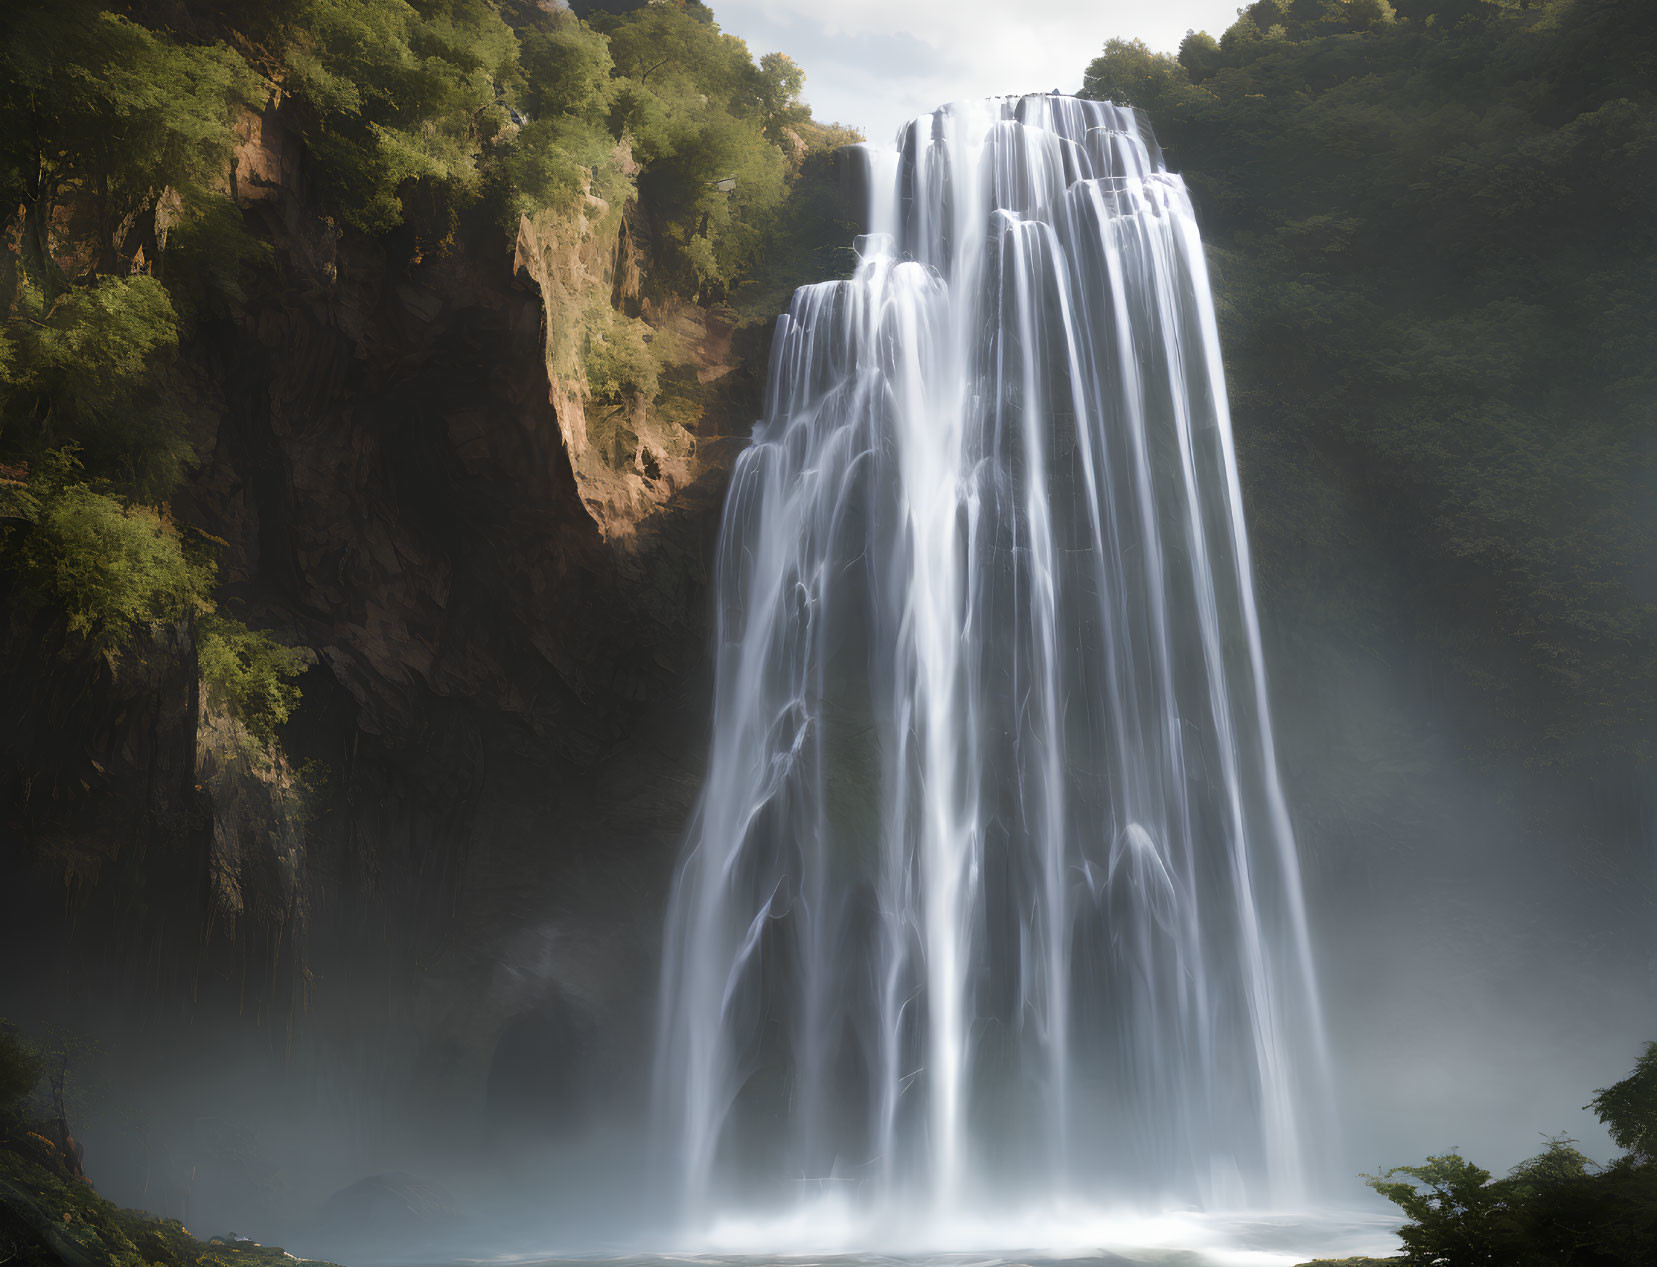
(875, 63)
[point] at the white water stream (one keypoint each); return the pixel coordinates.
(992, 896)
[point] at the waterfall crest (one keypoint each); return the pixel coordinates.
(991, 891)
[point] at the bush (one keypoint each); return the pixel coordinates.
(89, 371)
(112, 568)
(249, 674)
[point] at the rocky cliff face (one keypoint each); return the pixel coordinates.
(499, 738)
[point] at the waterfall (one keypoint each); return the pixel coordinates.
(991, 893)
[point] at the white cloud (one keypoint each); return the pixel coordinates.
(875, 63)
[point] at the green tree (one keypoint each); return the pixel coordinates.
(566, 66)
(124, 131)
(114, 141)
(112, 567)
(1457, 1216)
(780, 83)
(558, 147)
(391, 94)
(1629, 1109)
(694, 106)
(1130, 74)
(1199, 53)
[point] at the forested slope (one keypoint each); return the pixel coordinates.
(1433, 232)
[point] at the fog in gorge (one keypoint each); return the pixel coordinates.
(1484, 928)
(1157, 888)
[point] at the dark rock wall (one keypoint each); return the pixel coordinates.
(496, 751)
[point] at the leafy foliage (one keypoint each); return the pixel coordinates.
(249, 673)
(696, 108)
(112, 567)
(1556, 1210)
(1458, 1216)
(1430, 225)
(781, 80)
(393, 92)
(1130, 74)
(560, 144)
(1629, 1109)
(120, 126)
(90, 371)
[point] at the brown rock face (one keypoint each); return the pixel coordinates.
(404, 470)
(498, 744)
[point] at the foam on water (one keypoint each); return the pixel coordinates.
(834, 1234)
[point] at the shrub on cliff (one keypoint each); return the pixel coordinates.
(89, 369)
(111, 567)
(618, 360)
(114, 566)
(249, 673)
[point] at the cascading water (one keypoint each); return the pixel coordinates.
(991, 894)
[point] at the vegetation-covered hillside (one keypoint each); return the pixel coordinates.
(120, 173)
(1432, 224)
